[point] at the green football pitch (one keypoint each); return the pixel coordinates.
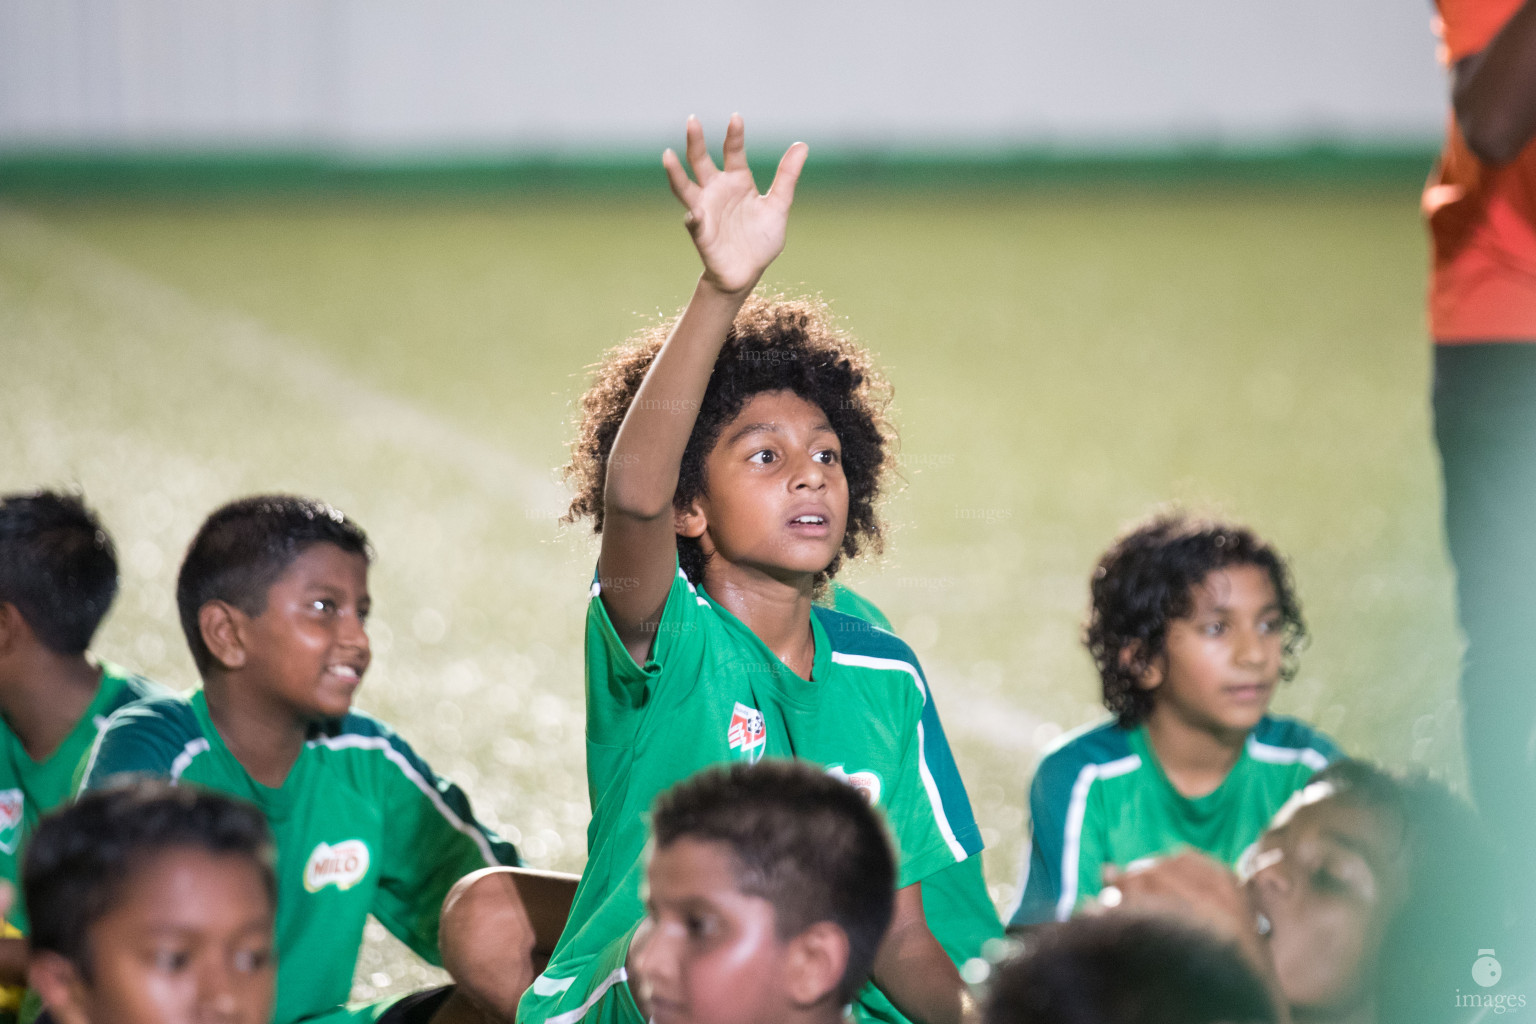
(1063, 361)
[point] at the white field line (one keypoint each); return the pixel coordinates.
(254, 351)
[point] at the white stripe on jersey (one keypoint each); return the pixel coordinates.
(381, 743)
(1286, 755)
(1072, 848)
(184, 759)
(572, 1016)
(932, 788)
(102, 725)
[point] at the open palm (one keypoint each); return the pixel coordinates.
(737, 231)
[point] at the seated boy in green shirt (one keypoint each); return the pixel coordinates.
(1192, 627)
(273, 596)
(58, 576)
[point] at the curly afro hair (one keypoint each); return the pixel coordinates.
(775, 344)
(1147, 579)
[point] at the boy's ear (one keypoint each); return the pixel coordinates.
(221, 625)
(58, 982)
(818, 959)
(1150, 675)
(690, 522)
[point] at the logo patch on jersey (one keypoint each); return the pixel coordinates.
(342, 865)
(748, 733)
(867, 783)
(11, 805)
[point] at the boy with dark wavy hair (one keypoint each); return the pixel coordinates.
(1192, 627)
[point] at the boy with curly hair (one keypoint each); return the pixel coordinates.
(1192, 626)
(731, 461)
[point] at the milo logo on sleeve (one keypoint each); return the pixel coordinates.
(12, 803)
(867, 783)
(342, 865)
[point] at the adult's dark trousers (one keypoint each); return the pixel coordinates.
(1485, 425)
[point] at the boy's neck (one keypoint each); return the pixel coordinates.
(1195, 760)
(45, 696)
(777, 611)
(265, 740)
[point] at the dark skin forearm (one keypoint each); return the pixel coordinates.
(912, 969)
(1494, 91)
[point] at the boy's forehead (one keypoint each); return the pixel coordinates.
(1221, 586)
(688, 865)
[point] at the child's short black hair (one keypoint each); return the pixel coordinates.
(804, 841)
(1147, 579)
(1453, 902)
(775, 344)
(1126, 968)
(243, 547)
(57, 566)
(83, 855)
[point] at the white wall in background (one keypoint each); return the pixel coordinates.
(479, 76)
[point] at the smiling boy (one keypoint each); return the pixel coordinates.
(273, 596)
(1192, 627)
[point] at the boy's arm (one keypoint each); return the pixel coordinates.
(912, 969)
(1494, 91)
(737, 233)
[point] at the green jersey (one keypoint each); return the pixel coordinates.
(956, 903)
(362, 825)
(712, 692)
(29, 789)
(1100, 797)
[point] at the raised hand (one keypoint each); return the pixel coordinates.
(737, 231)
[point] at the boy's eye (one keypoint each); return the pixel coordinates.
(323, 605)
(172, 959)
(1270, 625)
(827, 457)
(762, 458)
(700, 926)
(249, 961)
(1213, 628)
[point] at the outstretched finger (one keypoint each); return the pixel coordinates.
(698, 153)
(735, 151)
(782, 191)
(685, 190)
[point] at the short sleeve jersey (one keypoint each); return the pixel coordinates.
(1100, 797)
(29, 789)
(956, 903)
(712, 692)
(1482, 218)
(362, 825)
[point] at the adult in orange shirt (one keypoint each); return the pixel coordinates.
(1481, 207)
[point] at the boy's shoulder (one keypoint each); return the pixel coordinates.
(155, 736)
(1104, 746)
(857, 641)
(1279, 739)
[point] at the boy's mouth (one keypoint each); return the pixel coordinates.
(346, 673)
(1249, 692)
(810, 524)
